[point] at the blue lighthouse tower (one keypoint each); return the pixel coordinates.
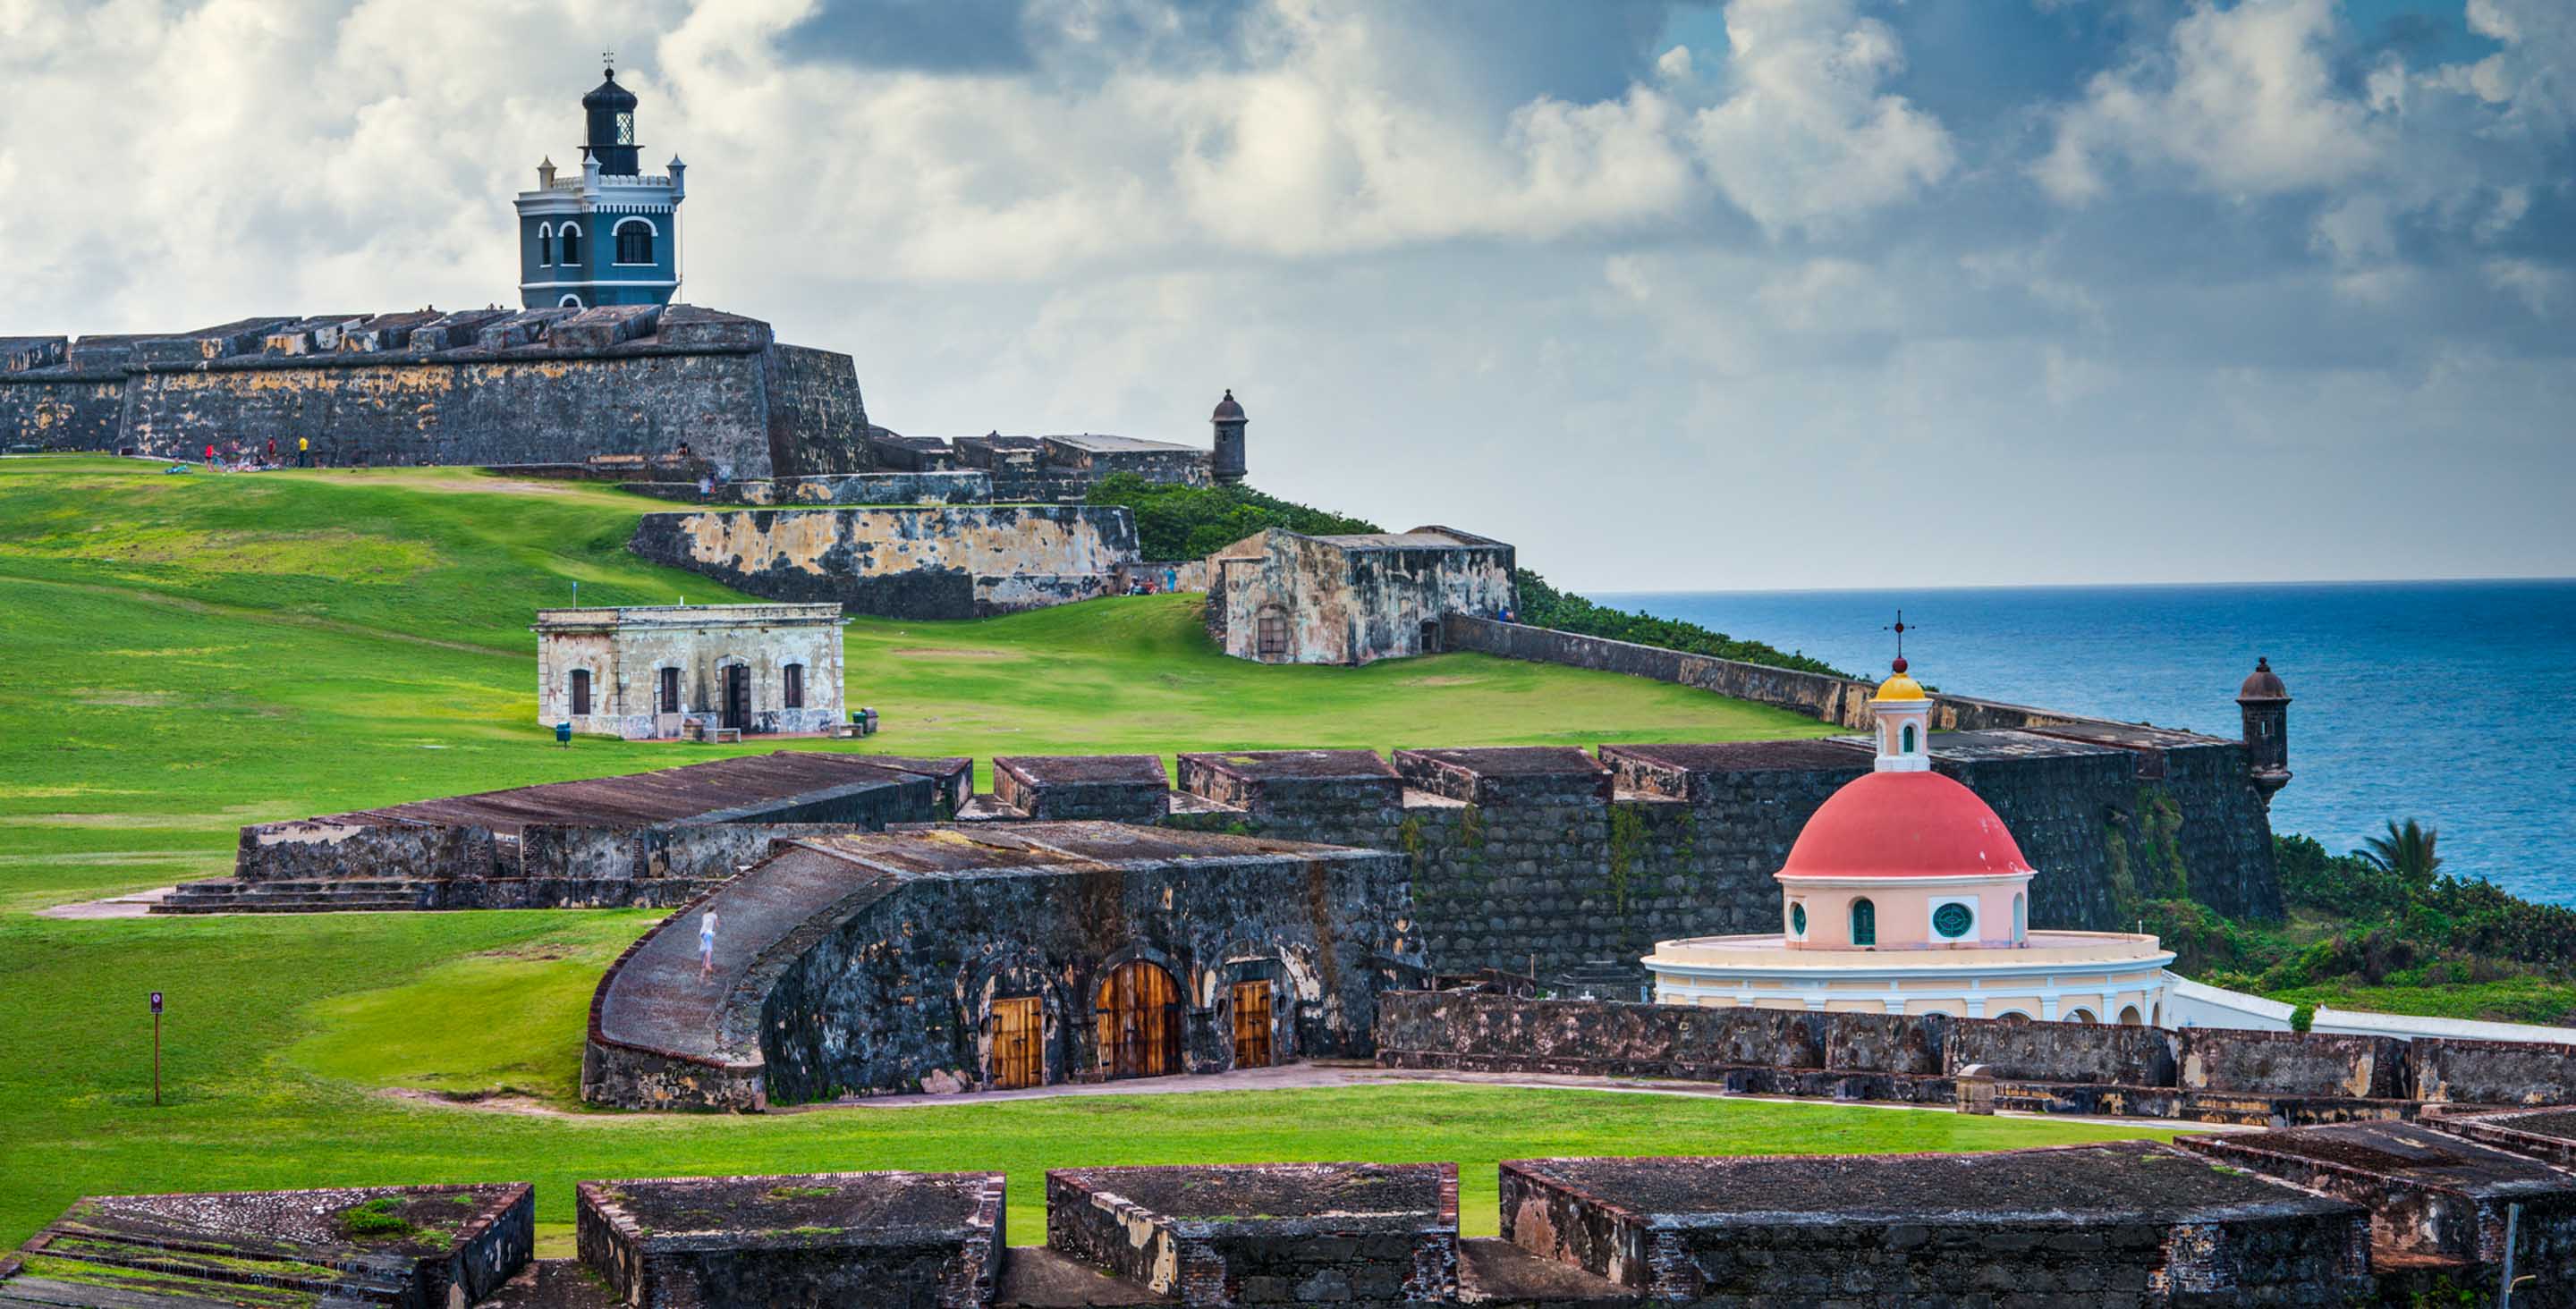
(611, 235)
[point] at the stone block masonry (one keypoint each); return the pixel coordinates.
(1266, 1233)
(989, 954)
(898, 1240)
(397, 1247)
(2129, 1224)
(2433, 1196)
(903, 561)
(2361, 1216)
(2201, 1074)
(480, 387)
(657, 838)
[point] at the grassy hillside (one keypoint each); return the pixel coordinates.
(193, 652)
(190, 653)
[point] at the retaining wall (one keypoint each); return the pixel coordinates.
(2197, 1074)
(932, 561)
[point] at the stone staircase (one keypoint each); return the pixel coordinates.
(283, 1250)
(226, 895)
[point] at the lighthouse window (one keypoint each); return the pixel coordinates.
(1864, 923)
(571, 238)
(545, 244)
(634, 242)
(1953, 920)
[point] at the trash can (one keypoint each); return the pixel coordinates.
(867, 722)
(563, 734)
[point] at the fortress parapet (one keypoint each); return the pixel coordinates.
(485, 386)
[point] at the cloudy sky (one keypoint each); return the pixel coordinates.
(1762, 293)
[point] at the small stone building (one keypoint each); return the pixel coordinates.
(649, 671)
(1284, 597)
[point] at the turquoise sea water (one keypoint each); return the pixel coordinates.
(2437, 700)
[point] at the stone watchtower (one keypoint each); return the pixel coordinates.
(2265, 704)
(1226, 465)
(610, 236)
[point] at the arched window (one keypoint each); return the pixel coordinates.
(570, 301)
(1864, 923)
(1908, 746)
(2083, 1016)
(571, 245)
(2130, 1017)
(635, 241)
(2021, 919)
(581, 693)
(545, 244)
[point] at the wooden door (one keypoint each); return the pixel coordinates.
(1252, 1028)
(737, 698)
(1019, 1043)
(1139, 1022)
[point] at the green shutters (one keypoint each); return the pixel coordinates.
(1953, 920)
(1864, 923)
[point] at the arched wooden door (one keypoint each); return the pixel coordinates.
(1140, 1022)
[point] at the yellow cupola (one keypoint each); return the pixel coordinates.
(1899, 686)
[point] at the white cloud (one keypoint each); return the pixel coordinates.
(1562, 310)
(2241, 101)
(1806, 137)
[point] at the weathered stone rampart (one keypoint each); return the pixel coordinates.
(902, 561)
(483, 387)
(2195, 1074)
(873, 964)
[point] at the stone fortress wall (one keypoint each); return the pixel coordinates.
(477, 387)
(903, 561)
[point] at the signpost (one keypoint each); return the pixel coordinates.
(156, 1047)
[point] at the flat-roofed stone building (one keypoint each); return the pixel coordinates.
(649, 671)
(1284, 597)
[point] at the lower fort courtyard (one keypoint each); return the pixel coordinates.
(1110, 970)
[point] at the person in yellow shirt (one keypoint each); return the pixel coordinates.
(303, 453)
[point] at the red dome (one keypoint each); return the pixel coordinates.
(1904, 825)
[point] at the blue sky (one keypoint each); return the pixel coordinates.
(1744, 293)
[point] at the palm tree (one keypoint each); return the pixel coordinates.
(2406, 851)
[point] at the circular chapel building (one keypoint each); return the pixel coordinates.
(1906, 894)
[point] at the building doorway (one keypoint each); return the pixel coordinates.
(737, 698)
(1140, 1022)
(1252, 1025)
(1019, 1043)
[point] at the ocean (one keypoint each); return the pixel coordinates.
(2407, 696)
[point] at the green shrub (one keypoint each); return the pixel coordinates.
(1542, 605)
(1193, 522)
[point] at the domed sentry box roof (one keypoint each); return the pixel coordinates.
(1227, 411)
(1905, 825)
(2262, 685)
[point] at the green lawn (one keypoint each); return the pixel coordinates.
(190, 653)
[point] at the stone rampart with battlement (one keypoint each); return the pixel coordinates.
(478, 387)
